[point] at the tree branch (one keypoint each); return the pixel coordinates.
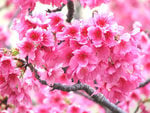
(36, 74)
(144, 83)
(98, 98)
(70, 13)
(56, 10)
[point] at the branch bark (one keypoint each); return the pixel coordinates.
(144, 83)
(98, 98)
(70, 13)
(36, 74)
(56, 10)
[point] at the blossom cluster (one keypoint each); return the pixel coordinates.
(95, 49)
(98, 52)
(10, 85)
(143, 43)
(19, 88)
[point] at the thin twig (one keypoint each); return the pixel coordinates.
(139, 104)
(36, 74)
(56, 10)
(144, 83)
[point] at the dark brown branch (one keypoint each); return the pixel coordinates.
(144, 83)
(98, 98)
(70, 13)
(36, 74)
(56, 10)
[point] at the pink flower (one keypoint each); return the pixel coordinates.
(84, 31)
(96, 35)
(23, 97)
(65, 53)
(34, 34)
(103, 53)
(84, 34)
(19, 97)
(27, 48)
(84, 56)
(55, 19)
(13, 80)
(103, 19)
(51, 57)
(52, 74)
(2, 79)
(84, 74)
(7, 65)
(12, 98)
(72, 31)
(74, 44)
(110, 38)
(48, 39)
(39, 57)
(74, 109)
(123, 47)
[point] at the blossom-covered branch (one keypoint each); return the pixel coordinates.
(99, 98)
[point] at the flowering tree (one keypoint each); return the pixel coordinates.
(68, 66)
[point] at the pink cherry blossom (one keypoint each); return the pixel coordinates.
(96, 35)
(27, 49)
(7, 65)
(34, 34)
